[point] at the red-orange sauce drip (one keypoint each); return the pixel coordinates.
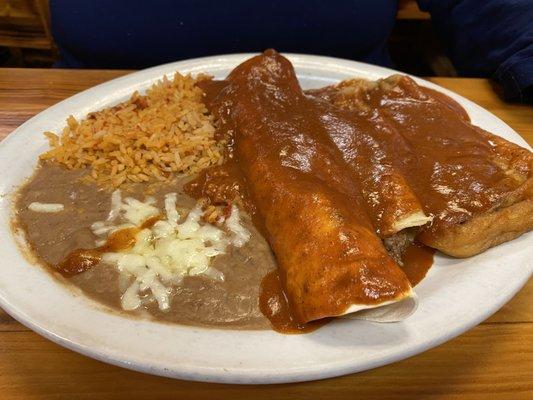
(273, 304)
(81, 260)
(417, 260)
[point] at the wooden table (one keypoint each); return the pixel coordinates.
(492, 361)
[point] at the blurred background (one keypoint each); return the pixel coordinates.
(26, 39)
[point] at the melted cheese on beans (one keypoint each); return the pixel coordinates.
(167, 251)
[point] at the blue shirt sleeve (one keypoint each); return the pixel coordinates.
(488, 38)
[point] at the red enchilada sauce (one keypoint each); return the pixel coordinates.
(455, 169)
(423, 140)
(306, 199)
(417, 259)
(425, 136)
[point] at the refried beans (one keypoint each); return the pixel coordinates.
(198, 300)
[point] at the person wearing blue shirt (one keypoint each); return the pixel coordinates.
(489, 38)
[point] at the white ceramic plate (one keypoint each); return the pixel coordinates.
(455, 296)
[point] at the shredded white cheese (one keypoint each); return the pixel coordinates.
(116, 203)
(241, 234)
(169, 250)
(46, 207)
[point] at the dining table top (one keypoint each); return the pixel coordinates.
(494, 360)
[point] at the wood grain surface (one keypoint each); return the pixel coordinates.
(492, 361)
